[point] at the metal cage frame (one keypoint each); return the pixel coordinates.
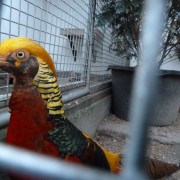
(140, 108)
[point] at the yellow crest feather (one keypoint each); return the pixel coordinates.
(9, 45)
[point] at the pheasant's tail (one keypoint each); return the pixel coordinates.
(114, 160)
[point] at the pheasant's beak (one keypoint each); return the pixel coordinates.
(5, 65)
(3, 61)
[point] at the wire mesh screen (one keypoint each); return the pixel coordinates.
(4, 89)
(63, 28)
(102, 55)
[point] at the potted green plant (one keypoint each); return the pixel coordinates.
(124, 18)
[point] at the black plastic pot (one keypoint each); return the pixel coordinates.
(167, 101)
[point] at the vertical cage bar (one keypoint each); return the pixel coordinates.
(144, 87)
(92, 12)
(102, 54)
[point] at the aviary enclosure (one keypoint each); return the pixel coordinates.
(68, 30)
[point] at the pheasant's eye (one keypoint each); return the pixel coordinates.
(20, 55)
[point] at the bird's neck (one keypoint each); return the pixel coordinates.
(23, 82)
(26, 99)
(47, 85)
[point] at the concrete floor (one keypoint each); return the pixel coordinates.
(164, 142)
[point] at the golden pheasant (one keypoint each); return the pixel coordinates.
(50, 132)
(38, 123)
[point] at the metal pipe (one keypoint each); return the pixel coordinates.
(74, 94)
(33, 164)
(144, 88)
(70, 96)
(4, 119)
